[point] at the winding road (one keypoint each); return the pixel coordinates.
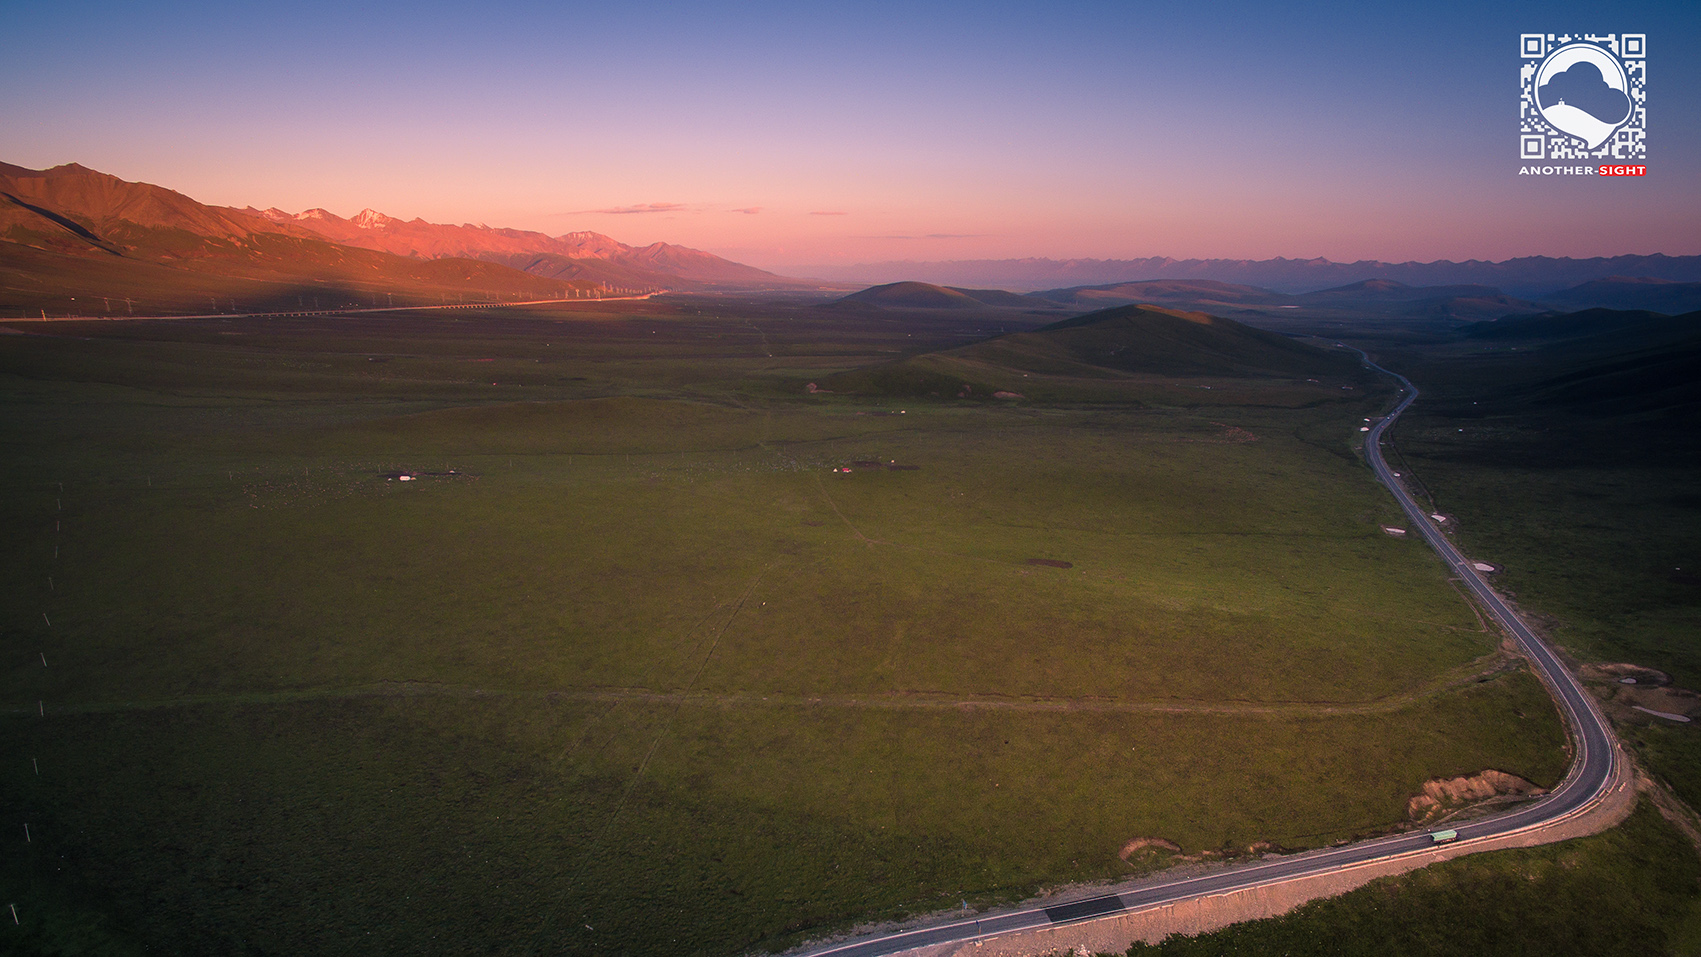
(1593, 770)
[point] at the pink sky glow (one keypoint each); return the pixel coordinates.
(791, 135)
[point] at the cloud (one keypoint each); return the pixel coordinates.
(640, 208)
(829, 212)
(749, 210)
(1583, 87)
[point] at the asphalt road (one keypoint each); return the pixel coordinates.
(1592, 770)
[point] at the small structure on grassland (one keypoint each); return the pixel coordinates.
(1394, 530)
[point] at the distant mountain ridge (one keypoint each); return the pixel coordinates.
(1365, 301)
(100, 209)
(1371, 298)
(71, 236)
(76, 241)
(575, 255)
(1619, 292)
(1526, 277)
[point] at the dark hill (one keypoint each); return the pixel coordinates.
(921, 295)
(1614, 328)
(1467, 308)
(1165, 291)
(1108, 344)
(1371, 298)
(1663, 379)
(1640, 370)
(1387, 290)
(1144, 338)
(1619, 292)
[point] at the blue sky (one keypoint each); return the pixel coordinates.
(867, 131)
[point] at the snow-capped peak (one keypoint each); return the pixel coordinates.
(371, 219)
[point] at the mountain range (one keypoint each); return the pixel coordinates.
(578, 255)
(1372, 299)
(70, 232)
(1526, 277)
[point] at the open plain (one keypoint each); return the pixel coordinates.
(656, 649)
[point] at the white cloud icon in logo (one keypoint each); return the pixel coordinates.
(1582, 91)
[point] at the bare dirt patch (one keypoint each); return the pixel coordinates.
(1234, 433)
(1149, 845)
(1443, 798)
(1051, 562)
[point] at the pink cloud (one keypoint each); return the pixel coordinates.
(640, 208)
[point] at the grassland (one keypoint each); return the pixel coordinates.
(1569, 459)
(1572, 460)
(630, 666)
(1630, 891)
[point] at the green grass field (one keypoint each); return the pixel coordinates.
(630, 666)
(1630, 891)
(1581, 481)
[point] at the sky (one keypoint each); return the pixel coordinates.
(794, 134)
